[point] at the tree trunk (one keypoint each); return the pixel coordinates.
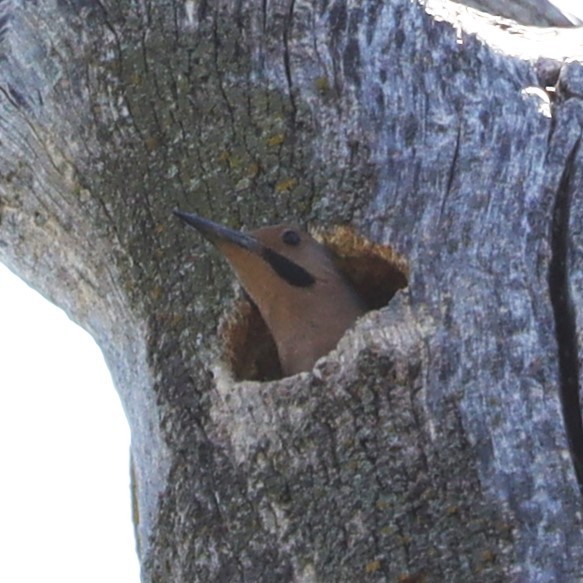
(442, 440)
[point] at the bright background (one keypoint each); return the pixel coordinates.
(572, 7)
(64, 444)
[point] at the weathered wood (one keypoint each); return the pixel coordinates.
(432, 443)
(527, 12)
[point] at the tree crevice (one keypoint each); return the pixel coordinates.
(563, 309)
(286, 59)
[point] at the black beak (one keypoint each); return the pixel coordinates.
(216, 233)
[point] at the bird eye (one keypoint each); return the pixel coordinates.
(290, 237)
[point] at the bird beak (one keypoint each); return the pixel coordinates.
(218, 234)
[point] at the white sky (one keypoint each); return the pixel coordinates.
(64, 444)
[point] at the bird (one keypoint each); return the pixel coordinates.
(305, 301)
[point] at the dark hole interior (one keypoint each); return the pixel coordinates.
(375, 271)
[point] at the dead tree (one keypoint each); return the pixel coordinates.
(442, 440)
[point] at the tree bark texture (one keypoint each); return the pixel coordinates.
(442, 440)
(527, 12)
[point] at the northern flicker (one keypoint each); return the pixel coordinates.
(305, 301)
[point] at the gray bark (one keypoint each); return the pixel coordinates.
(527, 12)
(433, 444)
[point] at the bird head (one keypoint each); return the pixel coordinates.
(305, 301)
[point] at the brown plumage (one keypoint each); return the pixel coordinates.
(305, 301)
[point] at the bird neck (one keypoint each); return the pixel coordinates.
(306, 321)
(310, 322)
